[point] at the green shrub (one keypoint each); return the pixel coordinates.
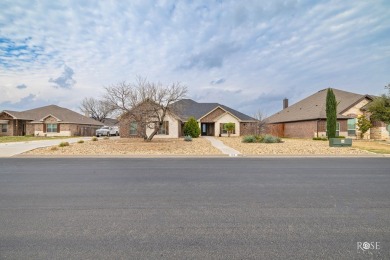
(94, 138)
(259, 138)
(188, 138)
(249, 139)
(191, 128)
(80, 141)
(320, 138)
(63, 144)
(271, 139)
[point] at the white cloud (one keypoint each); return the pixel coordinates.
(263, 48)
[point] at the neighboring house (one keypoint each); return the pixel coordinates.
(210, 116)
(110, 122)
(47, 121)
(307, 118)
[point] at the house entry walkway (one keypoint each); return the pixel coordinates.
(221, 146)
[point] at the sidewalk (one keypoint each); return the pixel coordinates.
(11, 149)
(221, 146)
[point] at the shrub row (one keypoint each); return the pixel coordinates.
(261, 139)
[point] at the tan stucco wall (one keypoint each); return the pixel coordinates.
(227, 118)
(173, 128)
(355, 110)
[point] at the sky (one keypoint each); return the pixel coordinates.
(247, 55)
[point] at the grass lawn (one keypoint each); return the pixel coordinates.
(9, 139)
(382, 147)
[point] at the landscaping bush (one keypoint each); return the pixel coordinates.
(80, 141)
(271, 139)
(249, 139)
(320, 138)
(63, 144)
(261, 139)
(188, 138)
(191, 128)
(94, 138)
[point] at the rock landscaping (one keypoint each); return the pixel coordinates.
(131, 146)
(290, 147)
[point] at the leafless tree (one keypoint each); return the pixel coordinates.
(146, 102)
(261, 122)
(97, 109)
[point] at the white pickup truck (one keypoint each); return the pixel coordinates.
(108, 131)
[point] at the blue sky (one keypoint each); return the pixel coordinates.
(248, 55)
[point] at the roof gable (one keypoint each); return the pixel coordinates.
(186, 108)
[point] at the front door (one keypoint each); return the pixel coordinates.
(207, 129)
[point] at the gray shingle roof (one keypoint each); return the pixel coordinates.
(313, 107)
(186, 108)
(63, 114)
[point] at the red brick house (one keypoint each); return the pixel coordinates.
(210, 116)
(47, 121)
(307, 118)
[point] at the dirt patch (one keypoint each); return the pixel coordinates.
(132, 146)
(290, 147)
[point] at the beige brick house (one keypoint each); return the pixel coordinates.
(210, 116)
(307, 118)
(46, 121)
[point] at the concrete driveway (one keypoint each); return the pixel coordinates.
(15, 148)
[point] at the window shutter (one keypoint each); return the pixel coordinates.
(234, 130)
(221, 128)
(167, 127)
(44, 128)
(58, 128)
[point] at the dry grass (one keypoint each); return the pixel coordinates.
(382, 147)
(9, 139)
(133, 146)
(290, 147)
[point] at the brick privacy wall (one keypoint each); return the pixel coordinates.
(304, 129)
(275, 129)
(210, 117)
(248, 128)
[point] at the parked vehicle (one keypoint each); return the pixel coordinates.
(108, 131)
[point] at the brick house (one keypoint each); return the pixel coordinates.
(307, 118)
(47, 121)
(211, 118)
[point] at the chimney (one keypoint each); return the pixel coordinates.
(285, 103)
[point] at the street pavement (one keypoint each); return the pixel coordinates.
(188, 208)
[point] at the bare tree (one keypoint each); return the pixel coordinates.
(261, 122)
(97, 109)
(146, 102)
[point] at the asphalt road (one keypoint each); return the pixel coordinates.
(219, 208)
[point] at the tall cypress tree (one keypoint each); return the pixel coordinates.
(331, 113)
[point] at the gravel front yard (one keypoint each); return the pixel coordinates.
(290, 147)
(133, 146)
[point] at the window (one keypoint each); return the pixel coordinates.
(133, 128)
(351, 127)
(223, 131)
(51, 128)
(164, 129)
(4, 128)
